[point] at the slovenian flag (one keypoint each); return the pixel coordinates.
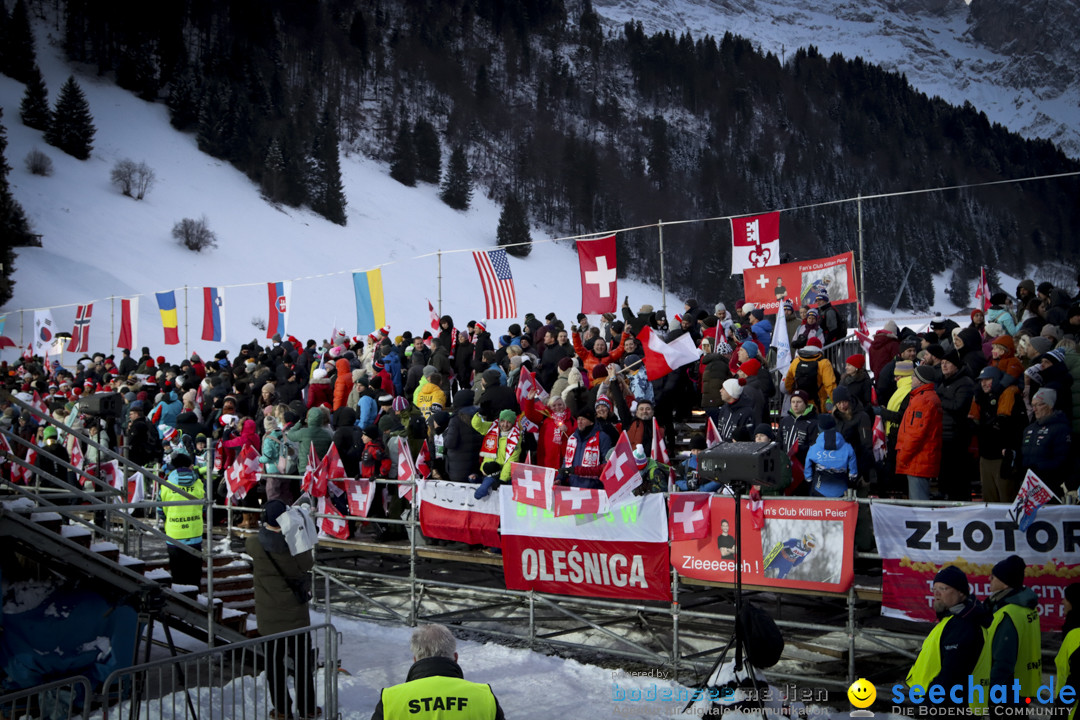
(370, 311)
(278, 296)
(166, 302)
(213, 324)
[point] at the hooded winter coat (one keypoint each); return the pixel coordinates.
(883, 348)
(825, 377)
(918, 443)
(830, 465)
(1008, 363)
(276, 607)
(460, 441)
(316, 433)
(971, 353)
(343, 384)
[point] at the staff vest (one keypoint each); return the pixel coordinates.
(439, 698)
(183, 522)
(1070, 645)
(1028, 667)
(928, 664)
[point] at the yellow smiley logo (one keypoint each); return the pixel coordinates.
(862, 693)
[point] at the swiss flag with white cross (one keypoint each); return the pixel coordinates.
(532, 484)
(599, 283)
(578, 501)
(620, 476)
(688, 515)
(360, 494)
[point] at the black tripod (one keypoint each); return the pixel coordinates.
(151, 601)
(737, 640)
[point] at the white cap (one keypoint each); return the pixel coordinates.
(733, 388)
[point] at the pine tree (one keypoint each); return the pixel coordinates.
(273, 171)
(71, 127)
(19, 56)
(326, 191)
(14, 227)
(514, 227)
(183, 101)
(34, 109)
(5, 21)
(403, 164)
(428, 153)
(457, 189)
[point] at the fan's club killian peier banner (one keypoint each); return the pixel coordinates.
(803, 283)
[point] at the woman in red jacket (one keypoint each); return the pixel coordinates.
(556, 425)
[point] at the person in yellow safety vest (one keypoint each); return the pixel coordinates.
(184, 523)
(952, 648)
(1014, 641)
(435, 687)
(500, 447)
(1067, 662)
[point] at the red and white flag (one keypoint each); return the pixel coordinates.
(75, 452)
(863, 333)
(661, 357)
(688, 515)
(712, 435)
(24, 475)
(333, 524)
(527, 383)
(406, 470)
(435, 320)
(4, 448)
(107, 472)
(129, 324)
(361, 495)
(136, 488)
(599, 275)
(755, 242)
(39, 404)
(308, 483)
(244, 473)
(757, 509)
(660, 454)
(880, 439)
(982, 292)
(497, 282)
(330, 468)
(532, 484)
(449, 511)
(620, 476)
(423, 461)
(80, 332)
(578, 501)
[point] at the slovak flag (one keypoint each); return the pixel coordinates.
(532, 484)
(620, 476)
(278, 297)
(578, 501)
(688, 515)
(333, 524)
(661, 357)
(80, 332)
(361, 495)
(213, 324)
(406, 471)
(755, 242)
(599, 275)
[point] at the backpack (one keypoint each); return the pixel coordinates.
(288, 462)
(806, 377)
(763, 641)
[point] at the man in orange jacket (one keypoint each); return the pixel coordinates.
(918, 443)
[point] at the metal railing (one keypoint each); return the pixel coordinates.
(57, 700)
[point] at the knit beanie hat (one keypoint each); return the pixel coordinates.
(1047, 395)
(825, 421)
(841, 394)
(858, 361)
(1010, 571)
(813, 342)
(903, 368)
(1041, 344)
(751, 349)
(508, 415)
(1053, 332)
(733, 388)
(766, 430)
(566, 363)
(954, 577)
(750, 367)
(272, 511)
(994, 329)
(928, 374)
(400, 404)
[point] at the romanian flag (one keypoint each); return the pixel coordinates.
(166, 302)
(278, 296)
(370, 311)
(213, 324)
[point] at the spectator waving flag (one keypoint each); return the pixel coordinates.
(532, 484)
(244, 473)
(80, 332)
(213, 324)
(527, 383)
(498, 283)
(1033, 495)
(620, 475)
(661, 357)
(278, 296)
(166, 302)
(435, 321)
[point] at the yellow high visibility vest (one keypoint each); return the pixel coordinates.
(1070, 645)
(439, 698)
(1028, 667)
(183, 521)
(928, 663)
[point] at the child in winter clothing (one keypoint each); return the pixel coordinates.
(830, 464)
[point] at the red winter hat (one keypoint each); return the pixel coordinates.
(750, 367)
(739, 304)
(858, 361)
(160, 359)
(480, 327)
(149, 362)
(813, 342)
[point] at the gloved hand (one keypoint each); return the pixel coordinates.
(485, 488)
(561, 476)
(491, 468)
(641, 489)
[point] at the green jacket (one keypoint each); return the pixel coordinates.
(316, 433)
(276, 606)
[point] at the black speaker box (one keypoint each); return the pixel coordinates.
(110, 404)
(752, 462)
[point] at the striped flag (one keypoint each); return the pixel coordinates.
(80, 333)
(278, 295)
(167, 307)
(129, 324)
(213, 323)
(982, 292)
(498, 283)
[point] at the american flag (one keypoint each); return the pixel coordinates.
(80, 333)
(498, 282)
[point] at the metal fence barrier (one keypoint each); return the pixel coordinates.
(57, 700)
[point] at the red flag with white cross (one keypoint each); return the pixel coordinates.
(688, 515)
(599, 275)
(620, 476)
(532, 484)
(578, 501)
(334, 524)
(361, 495)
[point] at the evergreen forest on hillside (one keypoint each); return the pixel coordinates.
(585, 129)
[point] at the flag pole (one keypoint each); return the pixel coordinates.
(862, 280)
(112, 321)
(438, 254)
(663, 287)
(185, 321)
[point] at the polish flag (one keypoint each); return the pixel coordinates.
(406, 470)
(532, 484)
(244, 473)
(599, 275)
(333, 524)
(712, 435)
(449, 511)
(578, 501)
(620, 476)
(361, 495)
(688, 515)
(661, 357)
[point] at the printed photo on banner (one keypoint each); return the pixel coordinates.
(825, 285)
(803, 282)
(803, 549)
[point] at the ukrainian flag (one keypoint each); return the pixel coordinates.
(166, 302)
(370, 311)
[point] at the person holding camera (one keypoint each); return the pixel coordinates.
(282, 591)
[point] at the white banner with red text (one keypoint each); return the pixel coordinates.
(449, 511)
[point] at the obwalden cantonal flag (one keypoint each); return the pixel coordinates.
(370, 310)
(167, 307)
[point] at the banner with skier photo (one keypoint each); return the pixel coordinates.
(802, 544)
(805, 282)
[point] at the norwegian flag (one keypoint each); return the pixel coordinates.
(757, 508)
(334, 523)
(532, 484)
(620, 475)
(982, 292)
(406, 471)
(526, 384)
(423, 461)
(24, 475)
(688, 515)
(434, 317)
(712, 435)
(863, 333)
(330, 468)
(75, 452)
(80, 333)
(308, 483)
(578, 501)
(244, 473)
(361, 495)
(880, 440)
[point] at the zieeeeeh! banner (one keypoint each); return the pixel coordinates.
(915, 543)
(806, 544)
(620, 554)
(803, 282)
